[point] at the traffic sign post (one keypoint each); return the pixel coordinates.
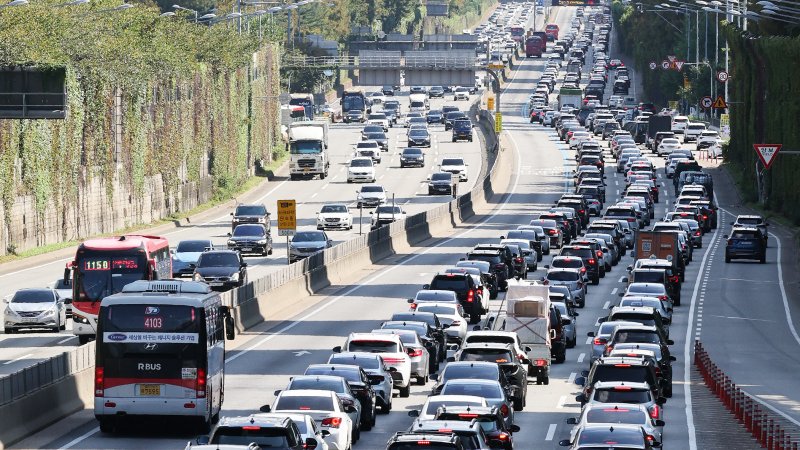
(767, 153)
(706, 102)
(665, 64)
(678, 64)
(719, 103)
(723, 76)
(287, 221)
(653, 65)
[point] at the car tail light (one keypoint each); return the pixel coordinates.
(599, 341)
(504, 410)
(631, 219)
(546, 282)
(622, 365)
(470, 296)
(623, 388)
(581, 211)
(423, 442)
(608, 349)
(413, 306)
(332, 422)
(99, 381)
(518, 259)
(251, 427)
(697, 233)
(540, 362)
(391, 361)
(705, 217)
(553, 232)
(592, 261)
(521, 357)
(455, 322)
(503, 436)
(414, 352)
(468, 416)
(200, 384)
(650, 438)
(675, 278)
(499, 266)
(658, 371)
(662, 297)
(599, 254)
(654, 411)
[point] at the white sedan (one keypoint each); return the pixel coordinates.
(667, 146)
(335, 215)
(325, 408)
(449, 314)
(434, 402)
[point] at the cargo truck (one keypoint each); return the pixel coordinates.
(526, 311)
(570, 97)
(660, 245)
(655, 124)
(304, 100)
(308, 149)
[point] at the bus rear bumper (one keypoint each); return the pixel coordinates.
(109, 407)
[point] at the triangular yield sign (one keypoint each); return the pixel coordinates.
(671, 58)
(679, 65)
(719, 103)
(767, 153)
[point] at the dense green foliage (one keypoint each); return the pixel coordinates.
(764, 109)
(180, 92)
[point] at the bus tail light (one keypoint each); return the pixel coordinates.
(332, 422)
(200, 386)
(99, 381)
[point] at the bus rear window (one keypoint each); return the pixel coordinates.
(150, 318)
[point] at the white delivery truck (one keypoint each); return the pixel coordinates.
(527, 312)
(308, 149)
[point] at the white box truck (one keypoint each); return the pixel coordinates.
(526, 312)
(308, 149)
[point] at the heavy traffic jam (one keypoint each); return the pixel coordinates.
(478, 342)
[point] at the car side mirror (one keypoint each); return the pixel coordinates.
(426, 286)
(434, 377)
(580, 381)
(202, 440)
(672, 358)
(265, 409)
(231, 213)
(229, 235)
(450, 359)
(564, 443)
(244, 264)
(413, 413)
(724, 236)
(337, 349)
(324, 433)
(571, 421)
(590, 334)
(661, 400)
(580, 398)
(276, 392)
(349, 409)
(670, 342)
(411, 300)
(311, 443)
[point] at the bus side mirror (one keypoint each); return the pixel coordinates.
(230, 328)
(67, 275)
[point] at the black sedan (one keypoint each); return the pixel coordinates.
(221, 269)
(251, 238)
(419, 137)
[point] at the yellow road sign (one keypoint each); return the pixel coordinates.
(287, 217)
(498, 122)
(719, 103)
(490, 103)
(497, 66)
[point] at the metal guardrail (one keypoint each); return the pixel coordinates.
(32, 105)
(770, 429)
(46, 372)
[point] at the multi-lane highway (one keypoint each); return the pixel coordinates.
(717, 299)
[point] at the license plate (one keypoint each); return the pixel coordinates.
(306, 170)
(215, 283)
(28, 319)
(150, 390)
(247, 249)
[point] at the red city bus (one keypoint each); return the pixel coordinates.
(533, 47)
(517, 33)
(103, 266)
(552, 31)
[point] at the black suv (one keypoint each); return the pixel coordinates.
(466, 291)
(613, 368)
(558, 344)
(221, 269)
(658, 272)
(589, 258)
(272, 432)
(499, 267)
(504, 355)
(360, 385)
(250, 214)
(489, 418)
(409, 440)
(471, 433)
(745, 243)
(472, 370)
(508, 255)
(436, 327)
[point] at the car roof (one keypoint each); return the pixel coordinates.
(373, 337)
(306, 392)
(438, 425)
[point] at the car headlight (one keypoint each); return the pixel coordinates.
(261, 242)
(49, 312)
(235, 277)
(231, 242)
(10, 311)
(197, 277)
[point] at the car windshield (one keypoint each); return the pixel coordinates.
(366, 363)
(615, 415)
(371, 189)
(361, 163)
(377, 116)
(388, 210)
(372, 129)
(641, 318)
(309, 236)
(33, 296)
(622, 394)
(652, 289)
(448, 283)
(436, 309)
(739, 234)
(367, 145)
(192, 246)
(420, 132)
(472, 388)
(648, 337)
(558, 275)
(624, 372)
(249, 230)
(348, 373)
(226, 259)
(254, 210)
(304, 403)
(412, 151)
(264, 437)
(749, 220)
(435, 296)
(452, 162)
(376, 136)
(486, 354)
(334, 209)
(648, 277)
(373, 346)
(317, 383)
(441, 177)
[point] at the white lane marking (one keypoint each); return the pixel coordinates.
(581, 358)
(783, 292)
(314, 194)
(589, 340)
(689, 343)
(80, 438)
(614, 291)
(551, 432)
(607, 304)
(621, 280)
(738, 318)
(561, 401)
(377, 276)
(17, 359)
(66, 339)
(571, 378)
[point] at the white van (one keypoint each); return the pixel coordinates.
(679, 124)
(418, 103)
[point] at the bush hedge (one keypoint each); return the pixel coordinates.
(186, 92)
